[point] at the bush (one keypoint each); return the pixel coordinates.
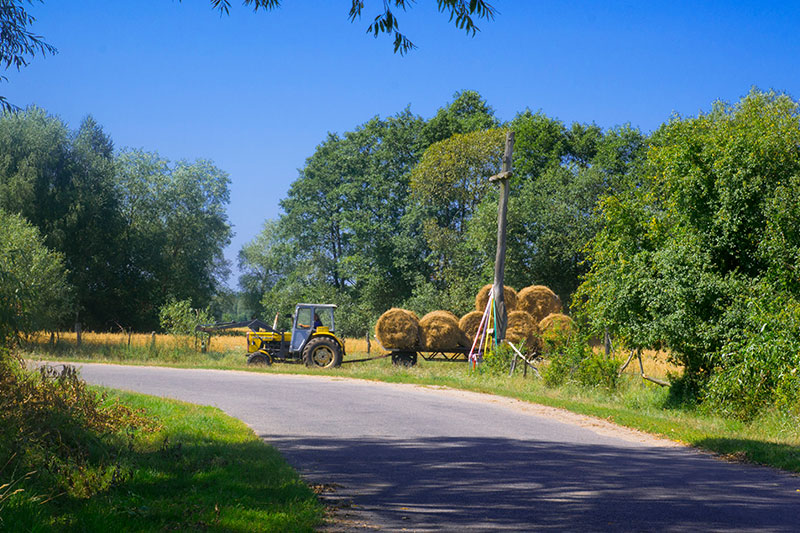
(58, 437)
(759, 370)
(499, 360)
(34, 293)
(179, 319)
(578, 364)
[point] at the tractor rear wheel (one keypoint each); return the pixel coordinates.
(259, 359)
(322, 352)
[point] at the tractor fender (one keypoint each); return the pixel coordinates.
(318, 335)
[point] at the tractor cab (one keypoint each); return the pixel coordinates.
(311, 319)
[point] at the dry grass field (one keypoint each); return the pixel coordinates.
(655, 364)
(91, 339)
(233, 342)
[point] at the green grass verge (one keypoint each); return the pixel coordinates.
(201, 470)
(771, 439)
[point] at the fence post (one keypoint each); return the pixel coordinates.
(368, 343)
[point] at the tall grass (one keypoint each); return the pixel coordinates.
(73, 460)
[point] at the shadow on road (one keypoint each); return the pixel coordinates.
(486, 483)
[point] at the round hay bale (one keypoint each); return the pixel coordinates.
(438, 330)
(469, 324)
(538, 301)
(522, 327)
(510, 296)
(555, 328)
(398, 329)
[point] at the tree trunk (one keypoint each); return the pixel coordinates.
(77, 331)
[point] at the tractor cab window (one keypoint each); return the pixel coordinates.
(323, 317)
(305, 319)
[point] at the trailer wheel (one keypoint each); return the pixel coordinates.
(404, 358)
(259, 359)
(322, 352)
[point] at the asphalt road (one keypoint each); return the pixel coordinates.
(421, 459)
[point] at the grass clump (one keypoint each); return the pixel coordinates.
(75, 459)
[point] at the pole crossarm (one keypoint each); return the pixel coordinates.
(506, 174)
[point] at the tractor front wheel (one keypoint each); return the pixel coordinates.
(322, 352)
(259, 359)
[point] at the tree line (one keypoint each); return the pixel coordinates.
(131, 229)
(399, 212)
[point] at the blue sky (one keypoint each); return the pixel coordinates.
(257, 92)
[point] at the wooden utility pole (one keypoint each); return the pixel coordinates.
(500, 258)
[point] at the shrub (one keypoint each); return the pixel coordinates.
(34, 293)
(759, 369)
(59, 437)
(498, 361)
(578, 364)
(178, 318)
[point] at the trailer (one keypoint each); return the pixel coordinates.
(410, 357)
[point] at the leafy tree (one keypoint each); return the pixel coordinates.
(680, 251)
(447, 186)
(34, 293)
(88, 234)
(268, 263)
(62, 182)
(175, 228)
(559, 175)
(17, 43)
(341, 238)
(230, 306)
(459, 11)
(540, 142)
(467, 112)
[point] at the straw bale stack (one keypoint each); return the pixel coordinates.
(521, 326)
(555, 327)
(469, 324)
(438, 330)
(510, 296)
(539, 301)
(398, 329)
